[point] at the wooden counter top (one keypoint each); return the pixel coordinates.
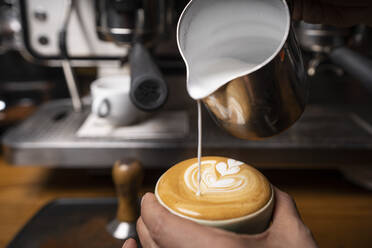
(338, 213)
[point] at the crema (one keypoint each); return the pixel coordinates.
(228, 189)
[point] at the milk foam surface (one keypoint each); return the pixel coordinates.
(221, 40)
(229, 189)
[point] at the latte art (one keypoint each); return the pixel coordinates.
(229, 189)
(215, 177)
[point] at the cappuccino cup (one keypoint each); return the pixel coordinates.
(233, 195)
(111, 101)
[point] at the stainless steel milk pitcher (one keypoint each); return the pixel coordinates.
(269, 95)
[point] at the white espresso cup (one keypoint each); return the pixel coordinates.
(253, 223)
(111, 101)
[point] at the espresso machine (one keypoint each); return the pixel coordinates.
(111, 38)
(335, 129)
(138, 38)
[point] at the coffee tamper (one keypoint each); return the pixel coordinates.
(127, 176)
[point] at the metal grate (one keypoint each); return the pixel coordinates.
(324, 135)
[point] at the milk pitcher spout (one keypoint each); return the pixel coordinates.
(244, 62)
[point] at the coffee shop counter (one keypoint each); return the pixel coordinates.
(338, 213)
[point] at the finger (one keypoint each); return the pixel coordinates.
(130, 243)
(144, 235)
(169, 230)
(287, 223)
(285, 211)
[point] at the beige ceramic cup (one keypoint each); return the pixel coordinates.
(253, 223)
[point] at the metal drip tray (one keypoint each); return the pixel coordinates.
(324, 135)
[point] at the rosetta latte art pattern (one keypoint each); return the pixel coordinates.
(216, 177)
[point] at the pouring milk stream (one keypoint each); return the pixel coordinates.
(221, 41)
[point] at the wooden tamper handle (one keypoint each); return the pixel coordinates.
(128, 177)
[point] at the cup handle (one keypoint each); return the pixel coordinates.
(101, 107)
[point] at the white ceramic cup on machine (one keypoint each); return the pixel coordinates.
(111, 101)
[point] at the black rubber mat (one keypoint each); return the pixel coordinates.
(70, 223)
